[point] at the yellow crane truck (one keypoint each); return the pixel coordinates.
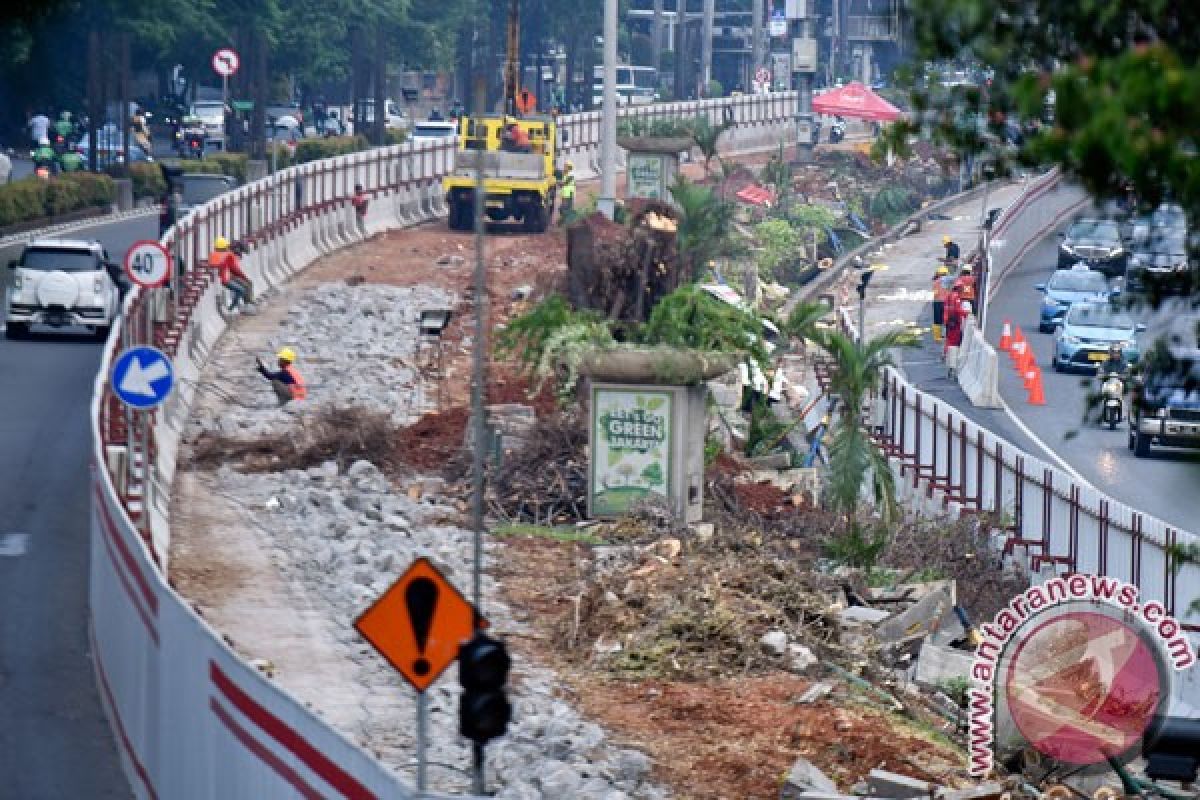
(519, 185)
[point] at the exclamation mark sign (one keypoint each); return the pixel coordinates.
(421, 597)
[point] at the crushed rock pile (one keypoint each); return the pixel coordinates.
(340, 537)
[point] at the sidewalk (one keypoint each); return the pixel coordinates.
(901, 294)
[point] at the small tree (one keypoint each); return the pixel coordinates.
(706, 221)
(779, 242)
(706, 135)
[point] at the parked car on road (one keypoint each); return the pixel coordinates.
(63, 282)
(1095, 242)
(1086, 333)
(1067, 286)
(1166, 403)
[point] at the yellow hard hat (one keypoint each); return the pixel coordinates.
(287, 354)
(942, 270)
(945, 240)
(221, 243)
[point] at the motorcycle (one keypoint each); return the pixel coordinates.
(837, 132)
(189, 142)
(1112, 392)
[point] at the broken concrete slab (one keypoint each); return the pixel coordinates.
(863, 615)
(984, 791)
(899, 787)
(804, 777)
(773, 461)
(814, 693)
(937, 665)
(924, 616)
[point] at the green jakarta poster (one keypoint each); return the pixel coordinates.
(631, 448)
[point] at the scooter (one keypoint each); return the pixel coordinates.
(1112, 392)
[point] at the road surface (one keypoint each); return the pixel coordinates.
(55, 741)
(1166, 485)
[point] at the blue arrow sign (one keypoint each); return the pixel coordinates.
(142, 377)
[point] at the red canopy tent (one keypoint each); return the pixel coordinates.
(855, 100)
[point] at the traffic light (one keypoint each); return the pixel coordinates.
(1172, 751)
(484, 712)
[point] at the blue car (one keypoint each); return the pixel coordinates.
(1066, 286)
(1088, 330)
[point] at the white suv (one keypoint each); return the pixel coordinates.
(60, 282)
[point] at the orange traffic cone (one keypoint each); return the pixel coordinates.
(1016, 353)
(1037, 394)
(1027, 360)
(1006, 337)
(1027, 377)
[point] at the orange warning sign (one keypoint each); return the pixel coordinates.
(526, 101)
(418, 624)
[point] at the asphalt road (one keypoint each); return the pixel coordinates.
(1164, 485)
(54, 739)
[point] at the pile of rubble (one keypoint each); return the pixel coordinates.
(340, 531)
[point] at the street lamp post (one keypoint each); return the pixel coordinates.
(607, 202)
(864, 279)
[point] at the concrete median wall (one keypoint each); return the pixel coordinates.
(193, 721)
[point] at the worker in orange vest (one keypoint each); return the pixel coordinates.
(957, 311)
(229, 271)
(965, 285)
(940, 291)
(286, 381)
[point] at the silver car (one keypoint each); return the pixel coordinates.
(1088, 330)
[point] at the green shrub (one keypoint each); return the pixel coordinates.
(21, 201)
(148, 180)
(232, 164)
(62, 197)
(94, 190)
(315, 149)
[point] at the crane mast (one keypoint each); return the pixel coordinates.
(512, 64)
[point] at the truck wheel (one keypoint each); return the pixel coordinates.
(535, 219)
(1141, 443)
(16, 330)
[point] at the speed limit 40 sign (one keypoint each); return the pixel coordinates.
(148, 264)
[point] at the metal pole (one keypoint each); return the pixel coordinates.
(804, 115)
(656, 48)
(478, 424)
(607, 204)
(862, 319)
(706, 47)
(422, 733)
(756, 26)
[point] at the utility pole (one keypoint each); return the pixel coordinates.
(607, 204)
(756, 26)
(804, 64)
(706, 48)
(656, 47)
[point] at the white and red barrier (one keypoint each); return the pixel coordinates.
(192, 721)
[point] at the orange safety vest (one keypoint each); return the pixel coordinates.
(966, 286)
(939, 290)
(299, 391)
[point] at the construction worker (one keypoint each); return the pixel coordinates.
(360, 202)
(286, 381)
(940, 292)
(965, 285)
(229, 271)
(957, 311)
(567, 187)
(952, 252)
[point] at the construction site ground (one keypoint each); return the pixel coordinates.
(725, 737)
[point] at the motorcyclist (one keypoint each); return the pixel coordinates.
(70, 161)
(44, 156)
(64, 130)
(1115, 364)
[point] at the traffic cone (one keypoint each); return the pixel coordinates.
(1027, 377)
(1006, 336)
(1027, 360)
(1037, 394)
(1016, 352)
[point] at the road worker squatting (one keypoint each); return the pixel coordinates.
(286, 381)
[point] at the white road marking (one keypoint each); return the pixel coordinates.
(13, 544)
(1033, 437)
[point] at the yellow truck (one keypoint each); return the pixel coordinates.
(519, 182)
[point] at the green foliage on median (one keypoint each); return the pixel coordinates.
(34, 198)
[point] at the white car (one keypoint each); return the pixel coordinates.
(62, 282)
(211, 114)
